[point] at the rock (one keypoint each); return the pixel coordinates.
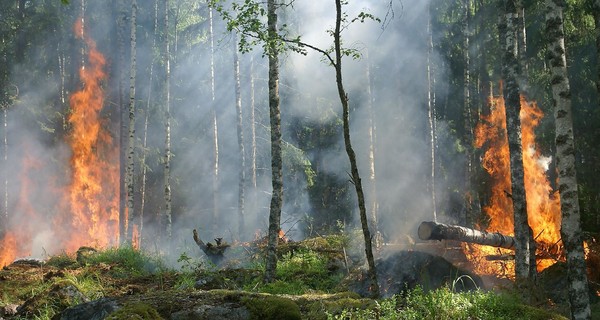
(94, 310)
(405, 270)
(9, 310)
(227, 311)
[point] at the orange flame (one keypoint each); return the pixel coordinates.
(17, 239)
(543, 203)
(87, 212)
(92, 217)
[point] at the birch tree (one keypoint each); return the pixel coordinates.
(565, 162)
(129, 172)
(215, 128)
(276, 141)
(524, 252)
(240, 138)
(167, 108)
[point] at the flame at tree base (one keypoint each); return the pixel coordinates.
(543, 203)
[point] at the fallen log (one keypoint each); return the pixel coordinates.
(429, 230)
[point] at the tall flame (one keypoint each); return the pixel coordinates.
(543, 203)
(87, 214)
(92, 198)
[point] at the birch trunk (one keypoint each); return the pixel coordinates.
(565, 162)
(240, 138)
(213, 108)
(524, 260)
(253, 143)
(372, 132)
(276, 154)
(123, 114)
(167, 109)
(145, 139)
(468, 115)
(129, 172)
(429, 230)
(431, 113)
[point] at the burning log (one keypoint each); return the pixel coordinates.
(429, 230)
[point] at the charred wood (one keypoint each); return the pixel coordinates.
(215, 252)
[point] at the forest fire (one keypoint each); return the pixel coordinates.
(92, 216)
(87, 212)
(543, 204)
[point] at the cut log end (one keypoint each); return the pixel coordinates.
(425, 231)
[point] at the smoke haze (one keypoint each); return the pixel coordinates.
(394, 51)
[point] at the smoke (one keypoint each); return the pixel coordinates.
(393, 51)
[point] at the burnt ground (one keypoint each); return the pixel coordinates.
(64, 288)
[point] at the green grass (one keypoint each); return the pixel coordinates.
(303, 271)
(443, 304)
(127, 261)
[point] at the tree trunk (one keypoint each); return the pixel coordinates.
(431, 113)
(123, 115)
(350, 151)
(253, 142)
(429, 230)
(145, 134)
(524, 261)
(372, 132)
(468, 116)
(276, 154)
(167, 109)
(240, 138)
(131, 129)
(213, 110)
(565, 162)
(522, 40)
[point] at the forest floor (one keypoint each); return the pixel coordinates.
(317, 279)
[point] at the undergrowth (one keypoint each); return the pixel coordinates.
(444, 304)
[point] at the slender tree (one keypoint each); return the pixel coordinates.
(524, 268)
(118, 7)
(372, 136)
(240, 138)
(253, 142)
(565, 162)
(431, 112)
(129, 172)
(167, 108)
(215, 128)
(144, 151)
(337, 63)
(276, 140)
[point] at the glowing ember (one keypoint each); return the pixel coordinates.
(543, 204)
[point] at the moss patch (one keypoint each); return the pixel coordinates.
(271, 308)
(135, 310)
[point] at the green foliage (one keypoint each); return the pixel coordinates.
(248, 19)
(295, 159)
(444, 304)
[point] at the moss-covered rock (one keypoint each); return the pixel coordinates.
(136, 310)
(271, 308)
